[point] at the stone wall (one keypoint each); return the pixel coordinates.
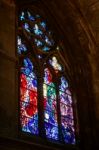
(90, 9)
(8, 101)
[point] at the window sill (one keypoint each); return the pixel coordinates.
(16, 144)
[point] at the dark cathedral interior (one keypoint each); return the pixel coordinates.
(74, 26)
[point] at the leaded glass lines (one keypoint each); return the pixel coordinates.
(37, 29)
(41, 67)
(66, 110)
(50, 106)
(28, 98)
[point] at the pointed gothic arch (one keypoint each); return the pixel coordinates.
(51, 113)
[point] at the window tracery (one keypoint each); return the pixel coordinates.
(34, 39)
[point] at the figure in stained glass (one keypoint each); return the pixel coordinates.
(35, 42)
(49, 93)
(28, 98)
(66, 110)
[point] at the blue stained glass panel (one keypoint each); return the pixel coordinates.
(64, 84)
(48, 41)
(27, 68)
(38, 42)
(29, 125)
(30, 17)
(68, 134)
(37, 31)
(45, 48)
(43, 24)
(51, 131)
(26, 27)
(21, 47)
(50, 117)
(22, 16)
(65, 98)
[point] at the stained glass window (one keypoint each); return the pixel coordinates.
(54, 63)
(66, 112)
(21, 45)
(50, 106)
(37, 30)
(28, 98)
(42, 80)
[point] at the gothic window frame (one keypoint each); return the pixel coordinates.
(48, 56)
